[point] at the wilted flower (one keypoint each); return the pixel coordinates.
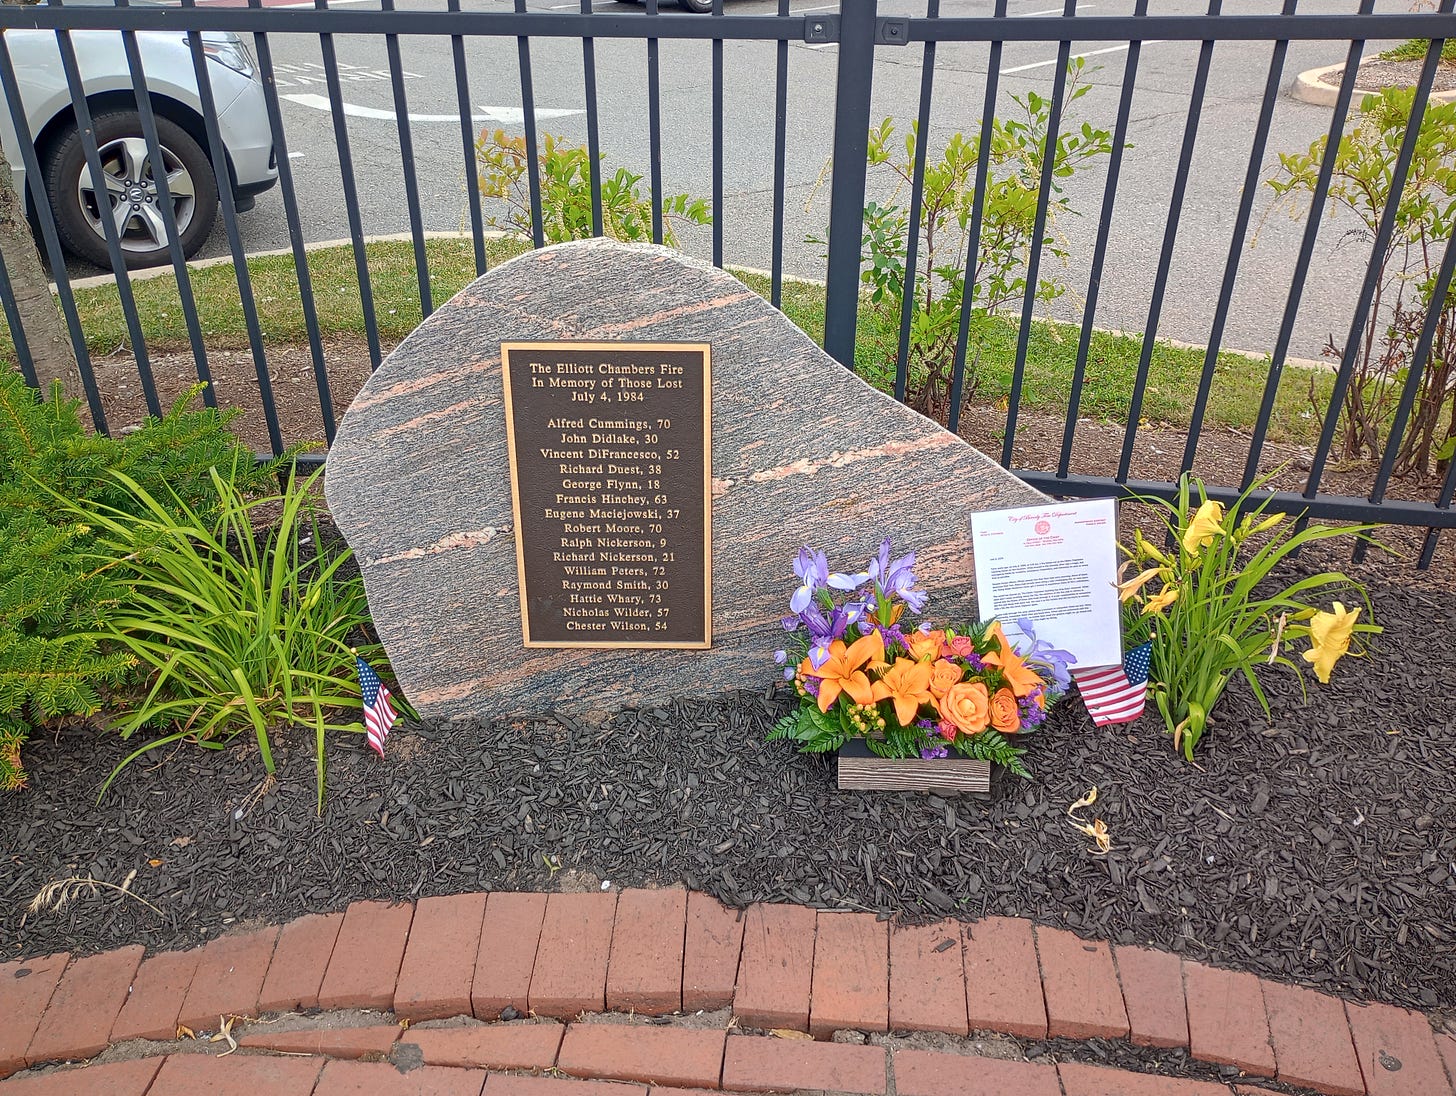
(1126, 591)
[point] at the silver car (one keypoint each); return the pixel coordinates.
(129, 195)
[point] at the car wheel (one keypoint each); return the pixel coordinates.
(701, 7)
(129, 193)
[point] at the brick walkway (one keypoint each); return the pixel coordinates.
(665, 952)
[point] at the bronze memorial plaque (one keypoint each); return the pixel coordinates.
(611, 487)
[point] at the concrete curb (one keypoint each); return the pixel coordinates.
(1309, 87)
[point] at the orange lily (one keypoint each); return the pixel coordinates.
(907, 683)
(843, 670)
(1021, 677)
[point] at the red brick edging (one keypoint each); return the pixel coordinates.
(660, 952)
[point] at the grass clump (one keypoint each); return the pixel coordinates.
(1416, 49)
(242, 627)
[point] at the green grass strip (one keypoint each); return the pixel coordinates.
(1112, 363)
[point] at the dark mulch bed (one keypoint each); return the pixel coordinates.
(1320, 849)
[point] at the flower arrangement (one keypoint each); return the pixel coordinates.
(1212, 614)
(861, 672)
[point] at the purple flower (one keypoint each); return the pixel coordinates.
(824, 630)
(813, 570)
(1032, 714)
(891, 634)
(929, 753)
(782, 658)
(895, 578)
(1051, 661)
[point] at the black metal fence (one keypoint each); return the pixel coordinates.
(861, 33)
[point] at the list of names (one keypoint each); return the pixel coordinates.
(611, 465)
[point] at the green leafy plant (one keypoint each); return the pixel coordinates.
(55, 593)
(1018, 148)
(242, 627)
(1425, 218)
(566, 203)
(1214, 615)
(1415, 50)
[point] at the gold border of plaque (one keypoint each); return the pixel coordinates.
(507, 348)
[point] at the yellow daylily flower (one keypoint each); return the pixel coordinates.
(1329, 637)
(1126, 590)
(1161, 600)
(1207, 524)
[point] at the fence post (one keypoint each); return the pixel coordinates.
(847, 188)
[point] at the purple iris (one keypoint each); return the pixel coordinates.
(812, 567)
(825, 629)
(895, 578)
(782, 658)
(1051, 661)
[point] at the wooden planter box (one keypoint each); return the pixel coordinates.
(862, 771)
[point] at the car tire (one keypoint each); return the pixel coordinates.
(698, 7)
(126, 163)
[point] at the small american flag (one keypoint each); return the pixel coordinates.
(379, 713)
(1116, 694)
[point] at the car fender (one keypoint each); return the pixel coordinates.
(101, 59)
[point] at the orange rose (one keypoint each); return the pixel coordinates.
(925, 646)
(1005, 716)
(944, 674)
(968, 706)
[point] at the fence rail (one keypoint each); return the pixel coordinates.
(861, 34)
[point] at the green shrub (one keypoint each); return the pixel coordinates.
(55, 593)
(240, 627)
(998, 276)
(566, 204)
(1425, 218)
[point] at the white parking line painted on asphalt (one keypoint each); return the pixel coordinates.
(512, 116)
(1052, 11)
(1076, 56)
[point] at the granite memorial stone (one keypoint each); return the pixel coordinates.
(802, 452)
